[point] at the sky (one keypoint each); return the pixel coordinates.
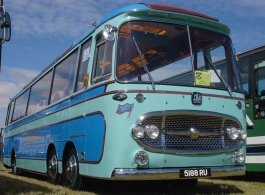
(42, 30)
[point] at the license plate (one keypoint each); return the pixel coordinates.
(186, 173)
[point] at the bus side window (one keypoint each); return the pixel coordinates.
(103, 60)
(20, 106)
(83, 64)
(39, 94)
(9, 113)
(64, 78)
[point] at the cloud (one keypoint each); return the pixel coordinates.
(52, 18)
(12, 80)
(2, 117)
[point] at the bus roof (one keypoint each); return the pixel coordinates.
(251, 51)
(146, 7)
(181, 10)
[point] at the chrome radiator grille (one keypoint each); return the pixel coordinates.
(180, 121)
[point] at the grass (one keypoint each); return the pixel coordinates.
(27, 183)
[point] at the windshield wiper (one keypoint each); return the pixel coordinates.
(216, 72)
(144, 65)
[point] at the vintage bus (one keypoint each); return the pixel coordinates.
(251, 65)
(136, 98)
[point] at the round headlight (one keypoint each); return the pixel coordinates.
(152, 131)
(141, 158)
(239, 156)
(138, 131)
(242, 134)
(232, 133)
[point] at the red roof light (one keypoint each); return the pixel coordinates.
(181, 10)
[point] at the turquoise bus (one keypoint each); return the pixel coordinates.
(251, 65)
(136, 98)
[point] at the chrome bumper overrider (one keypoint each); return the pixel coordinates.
(173, 173)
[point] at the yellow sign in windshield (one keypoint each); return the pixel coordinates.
(202, 78)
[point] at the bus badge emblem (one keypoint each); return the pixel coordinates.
(196, 98)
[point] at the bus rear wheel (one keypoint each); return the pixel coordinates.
(14, 165)
(72, 178)
(52, 168)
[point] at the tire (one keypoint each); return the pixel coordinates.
(71, 176)
(52, 168)
(15, 170)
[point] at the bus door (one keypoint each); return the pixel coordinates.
(259, 82)
(255, 101)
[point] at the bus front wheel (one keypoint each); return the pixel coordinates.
(72, 178)
(52, 168)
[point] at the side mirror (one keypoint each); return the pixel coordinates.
(5, 22)
(108, 32)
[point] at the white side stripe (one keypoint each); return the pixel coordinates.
(249, 122)
(255, 159)
(256, 140)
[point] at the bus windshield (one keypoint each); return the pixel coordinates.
(175, 54)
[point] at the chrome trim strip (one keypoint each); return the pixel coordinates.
(78, 135)
(188, 152)
(163, 136)
(188, 133)
(186, 112)
(173, 173)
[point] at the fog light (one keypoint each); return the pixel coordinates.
(232, 133)
(152, 131)
(141, 158)
(138, 131)
(242, 134)
(239, 156)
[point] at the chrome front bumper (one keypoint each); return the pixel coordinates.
(173, 173)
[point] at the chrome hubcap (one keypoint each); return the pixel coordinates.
(52, 168)
(71, 169)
